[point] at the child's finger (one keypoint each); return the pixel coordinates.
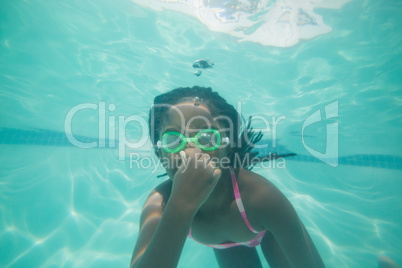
(213, 163)
(217, 174)
(183, 156)
(183, 162)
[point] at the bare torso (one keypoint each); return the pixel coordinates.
(226, 225)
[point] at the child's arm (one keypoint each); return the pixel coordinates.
(281, 219)
(162, 235)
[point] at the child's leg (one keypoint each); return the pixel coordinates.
(273, 252)
(238, 257)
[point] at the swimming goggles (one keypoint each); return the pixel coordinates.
(206, 140)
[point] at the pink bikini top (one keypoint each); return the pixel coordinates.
(252, 243)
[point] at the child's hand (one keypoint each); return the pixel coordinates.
(195, 179)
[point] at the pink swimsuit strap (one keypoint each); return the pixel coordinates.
(238, 200)
(252, 243)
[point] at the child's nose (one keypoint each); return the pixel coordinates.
(189, 146)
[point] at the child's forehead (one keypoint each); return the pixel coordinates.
(189, 114)
(190, 106)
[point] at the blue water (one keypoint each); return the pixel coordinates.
(63, 206)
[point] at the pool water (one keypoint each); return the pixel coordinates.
(74, 73)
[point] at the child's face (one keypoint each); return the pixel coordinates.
(189, 119)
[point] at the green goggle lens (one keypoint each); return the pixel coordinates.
(207, 140)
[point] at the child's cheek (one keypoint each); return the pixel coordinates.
(218, 156)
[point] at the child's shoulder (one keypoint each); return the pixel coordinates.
(251, 182)
(163, 191)
(257, 191)
(164, 187)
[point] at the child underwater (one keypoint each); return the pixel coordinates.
(209, 196)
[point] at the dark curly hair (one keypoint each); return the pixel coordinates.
(243, 134)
